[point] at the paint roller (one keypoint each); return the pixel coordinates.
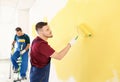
(83, 28)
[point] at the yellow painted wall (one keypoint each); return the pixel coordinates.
(95, 59)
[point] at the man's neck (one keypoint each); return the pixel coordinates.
(22, 34)
(42, 37)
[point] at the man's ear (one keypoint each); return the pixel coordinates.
(39, 31)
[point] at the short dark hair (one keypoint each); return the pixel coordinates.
(18, 29)
(40, 25)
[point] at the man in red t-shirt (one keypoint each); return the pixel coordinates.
(41, 53)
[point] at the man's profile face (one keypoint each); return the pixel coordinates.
(46, 31)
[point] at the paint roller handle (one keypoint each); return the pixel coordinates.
(73, 40)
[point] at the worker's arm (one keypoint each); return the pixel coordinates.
(13, 44)
(62, 53)
(27, 47)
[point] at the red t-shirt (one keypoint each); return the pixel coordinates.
(40, 52)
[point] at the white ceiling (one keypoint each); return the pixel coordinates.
(8, 8)
(19, 4)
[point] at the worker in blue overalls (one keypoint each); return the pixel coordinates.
(23, 43)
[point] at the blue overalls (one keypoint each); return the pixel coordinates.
(40, 74)
(24, 63)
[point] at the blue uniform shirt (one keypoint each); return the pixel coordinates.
(22, 41)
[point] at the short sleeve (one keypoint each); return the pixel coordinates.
(27, 39)
(45, 49)
(15, 37)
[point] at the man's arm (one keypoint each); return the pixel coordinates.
(13, 44)
(27, 41)
(62, 53)
(14, 41)
(27, 47)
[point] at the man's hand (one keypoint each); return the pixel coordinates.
(22, 52)
(12, 47)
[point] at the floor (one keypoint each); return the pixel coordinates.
(5, 72)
